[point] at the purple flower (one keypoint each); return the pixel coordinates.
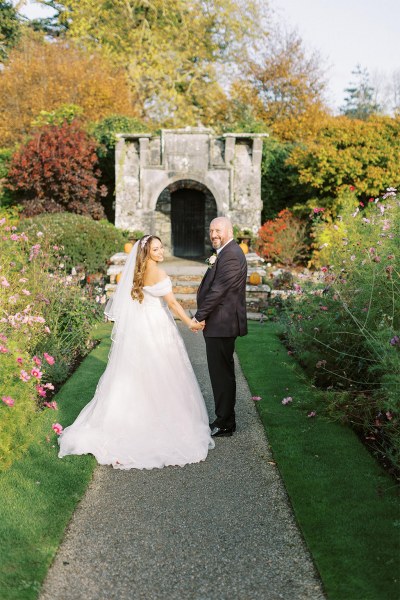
(395, 341)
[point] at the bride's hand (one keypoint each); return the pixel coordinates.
(196, 326)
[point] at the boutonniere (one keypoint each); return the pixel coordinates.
(211, 260)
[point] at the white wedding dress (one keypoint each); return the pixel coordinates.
(148, 410)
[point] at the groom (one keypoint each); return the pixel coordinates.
(221, 308)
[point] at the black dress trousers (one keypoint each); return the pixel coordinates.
(221, 367)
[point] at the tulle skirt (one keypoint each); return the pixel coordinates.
(148, 410)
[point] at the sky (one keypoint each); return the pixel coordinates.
(347, 33)
(344, 32)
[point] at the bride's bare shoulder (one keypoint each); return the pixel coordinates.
(155, 276)
(160, 274)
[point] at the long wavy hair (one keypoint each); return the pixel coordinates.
(143, 255)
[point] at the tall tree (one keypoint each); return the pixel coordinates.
(10, 28)
(359, 102)
(285, 86)
(169, 48)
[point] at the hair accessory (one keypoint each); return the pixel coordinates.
(144, 240)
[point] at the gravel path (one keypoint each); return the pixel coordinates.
(219, 530)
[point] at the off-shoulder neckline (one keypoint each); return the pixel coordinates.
(158, 282)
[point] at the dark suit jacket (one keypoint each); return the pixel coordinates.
(221, 297)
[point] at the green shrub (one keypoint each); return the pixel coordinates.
(86, 243)
(344, 327)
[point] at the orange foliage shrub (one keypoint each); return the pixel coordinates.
(40, 75)
(283, 239)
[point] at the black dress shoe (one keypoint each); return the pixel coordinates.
(220, 432)
(213, 425)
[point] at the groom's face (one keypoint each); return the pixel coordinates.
(219, 234)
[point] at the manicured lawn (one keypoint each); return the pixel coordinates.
(39, 493)
(346, 505)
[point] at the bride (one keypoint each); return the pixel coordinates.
(147, 410)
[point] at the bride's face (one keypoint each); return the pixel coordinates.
(156, 251)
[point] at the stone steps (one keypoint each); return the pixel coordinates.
(187, 275)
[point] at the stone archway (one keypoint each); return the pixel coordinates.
(183, 212)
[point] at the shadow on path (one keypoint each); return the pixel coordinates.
(219, 530)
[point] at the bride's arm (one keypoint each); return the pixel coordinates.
(177, 309)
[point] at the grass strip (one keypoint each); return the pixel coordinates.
(346, 505)
(39, 493)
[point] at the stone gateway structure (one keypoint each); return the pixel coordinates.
(173, 184)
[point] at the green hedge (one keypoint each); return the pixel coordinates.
(87, 243)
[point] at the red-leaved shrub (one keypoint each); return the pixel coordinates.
(55, 171)
(283, 239)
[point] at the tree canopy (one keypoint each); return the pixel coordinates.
(41, 76)
(169, 49)
(350, 152)
(10, 29)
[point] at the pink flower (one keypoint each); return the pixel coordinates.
(52, 405)
(49, 386)
(8, 400)
(48, 358)
(23, 280)
(287, 400)
(351, 188)
(371, 200)
(4, 282)
(256, 398)
(24, 376)
(14, 237)
(318, 210)
(37, 361)
(324, 269)
(36, 373)
(34, 251)
(3, 337)
(3, 350)
(26, 292)
(19, 360)
(313, 413)
(362, 204)
(323, 308)
(41, 391)
(47, 330)
(57, 428)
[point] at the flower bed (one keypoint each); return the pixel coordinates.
(45, 320)
(345, 330)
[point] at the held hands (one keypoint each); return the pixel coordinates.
(196, 326)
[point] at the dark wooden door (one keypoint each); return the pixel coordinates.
(187, 220)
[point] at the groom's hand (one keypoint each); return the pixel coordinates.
(197, 326)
